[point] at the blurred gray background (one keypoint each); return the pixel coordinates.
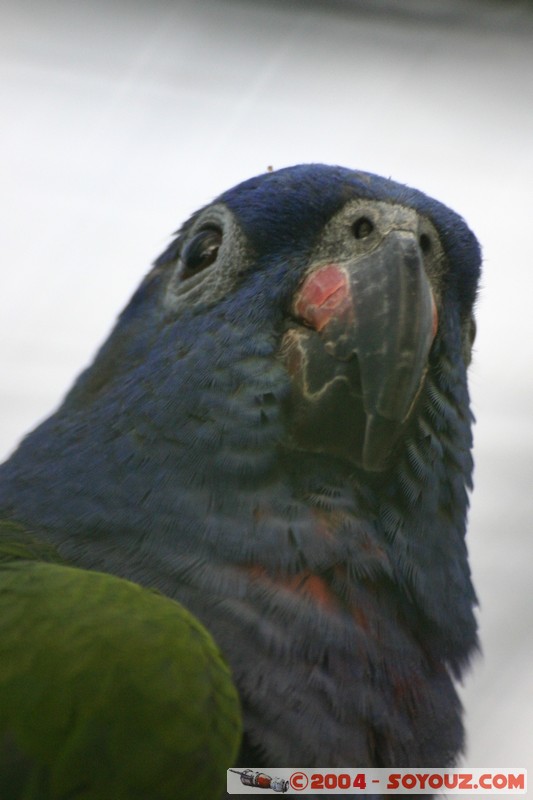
(119, 119)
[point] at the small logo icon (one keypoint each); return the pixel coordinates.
(261, 781)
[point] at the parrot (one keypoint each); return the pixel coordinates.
(277, 435)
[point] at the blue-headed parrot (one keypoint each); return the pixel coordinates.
(273, 446)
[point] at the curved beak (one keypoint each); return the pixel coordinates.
(376, 319)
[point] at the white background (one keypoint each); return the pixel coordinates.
(119, 119)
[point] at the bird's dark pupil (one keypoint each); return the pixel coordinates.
(425, 243)
(201, 251)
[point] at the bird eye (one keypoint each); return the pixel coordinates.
(425, 243)
(362, 228)
(201, 251)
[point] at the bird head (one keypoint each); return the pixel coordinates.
(333, 289)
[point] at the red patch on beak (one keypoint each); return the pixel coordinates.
(325, 293)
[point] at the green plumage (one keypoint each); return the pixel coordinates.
(107, 690)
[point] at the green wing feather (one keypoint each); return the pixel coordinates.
(107, 690)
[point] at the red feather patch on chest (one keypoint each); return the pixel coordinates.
(333, 591)
(305, 583)
(317, 590)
